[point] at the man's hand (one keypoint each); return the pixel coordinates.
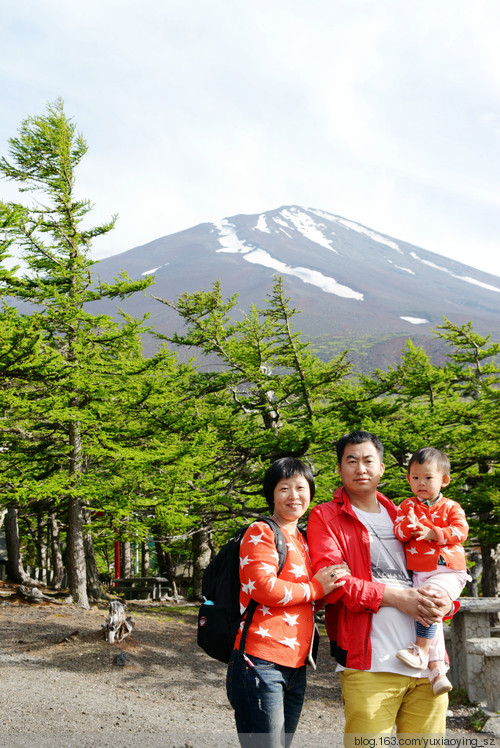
(434, 604)
(426, 605)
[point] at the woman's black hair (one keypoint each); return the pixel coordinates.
(285, 467)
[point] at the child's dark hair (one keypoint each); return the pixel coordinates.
(358, 437)
(431, 454)
(285, 467)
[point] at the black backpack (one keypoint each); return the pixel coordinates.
(219, 616)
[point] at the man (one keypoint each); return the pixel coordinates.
(372, 615)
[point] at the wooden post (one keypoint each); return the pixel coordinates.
(118, 572)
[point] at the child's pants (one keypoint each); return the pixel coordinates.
(451, 581)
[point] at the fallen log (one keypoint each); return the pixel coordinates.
(34, 595)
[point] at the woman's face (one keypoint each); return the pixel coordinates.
(291, 498)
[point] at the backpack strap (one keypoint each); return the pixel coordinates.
(280, 542)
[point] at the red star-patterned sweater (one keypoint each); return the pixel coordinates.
(282, 626)
(447, 518)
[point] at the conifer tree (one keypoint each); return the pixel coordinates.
(79, 357)
(265, 396)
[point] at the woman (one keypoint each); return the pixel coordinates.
(266, 684)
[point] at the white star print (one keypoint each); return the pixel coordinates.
(272, 582)
(287, 597)
(429, 553)
(265, 610)
(242, 609)
(307, 591)
(412, 551)
(298, 570)
(456, 531)
(291, 620)
(244, 561)
(270, 568)
(289, 642)
(248, 587)
(263, 632)
(256, 539)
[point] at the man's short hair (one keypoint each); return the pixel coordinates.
(358, 437)
(431, 454)
(285, 467)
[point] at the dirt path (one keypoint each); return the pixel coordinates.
(62, 685)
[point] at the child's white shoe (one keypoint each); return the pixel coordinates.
(439, 682)
(413, 656)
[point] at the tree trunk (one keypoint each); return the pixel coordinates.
(201, 558)
(77, 572)
(161, 558)
(57, 560)
(490, 586)
(42, 551)
(15, 569)
(126, 559)
(144, 560)
(166, 567)
(93, 584)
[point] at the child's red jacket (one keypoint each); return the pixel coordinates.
(447, 519)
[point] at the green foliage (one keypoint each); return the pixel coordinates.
(151, 448)
(59, 398)
(265, 396)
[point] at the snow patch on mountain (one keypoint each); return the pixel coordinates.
(465, 278)
(153, 270)
(230, 242)
(306, 226)
(406, 270)
(399, 267)
(360, 229)
(314, 277)
(416, 320)
(371, 234)
(284, 224)
(262, 224)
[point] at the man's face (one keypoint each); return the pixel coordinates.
(361, 468)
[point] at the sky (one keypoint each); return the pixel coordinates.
(385, 112)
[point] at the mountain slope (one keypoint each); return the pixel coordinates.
(352, 285)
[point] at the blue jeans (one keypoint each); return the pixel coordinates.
(267, 700)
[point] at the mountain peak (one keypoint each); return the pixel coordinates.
(351, 283)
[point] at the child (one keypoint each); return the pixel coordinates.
(433, 529)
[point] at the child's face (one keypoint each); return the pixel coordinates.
(427, 480)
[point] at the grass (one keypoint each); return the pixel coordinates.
(478, 719)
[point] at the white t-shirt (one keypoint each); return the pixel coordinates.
(391, 629)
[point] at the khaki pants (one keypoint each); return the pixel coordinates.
(376, 702)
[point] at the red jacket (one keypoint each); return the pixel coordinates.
(335, 534)
(447, 519)
(282, 627)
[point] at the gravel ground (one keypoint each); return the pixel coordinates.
(62, 684)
